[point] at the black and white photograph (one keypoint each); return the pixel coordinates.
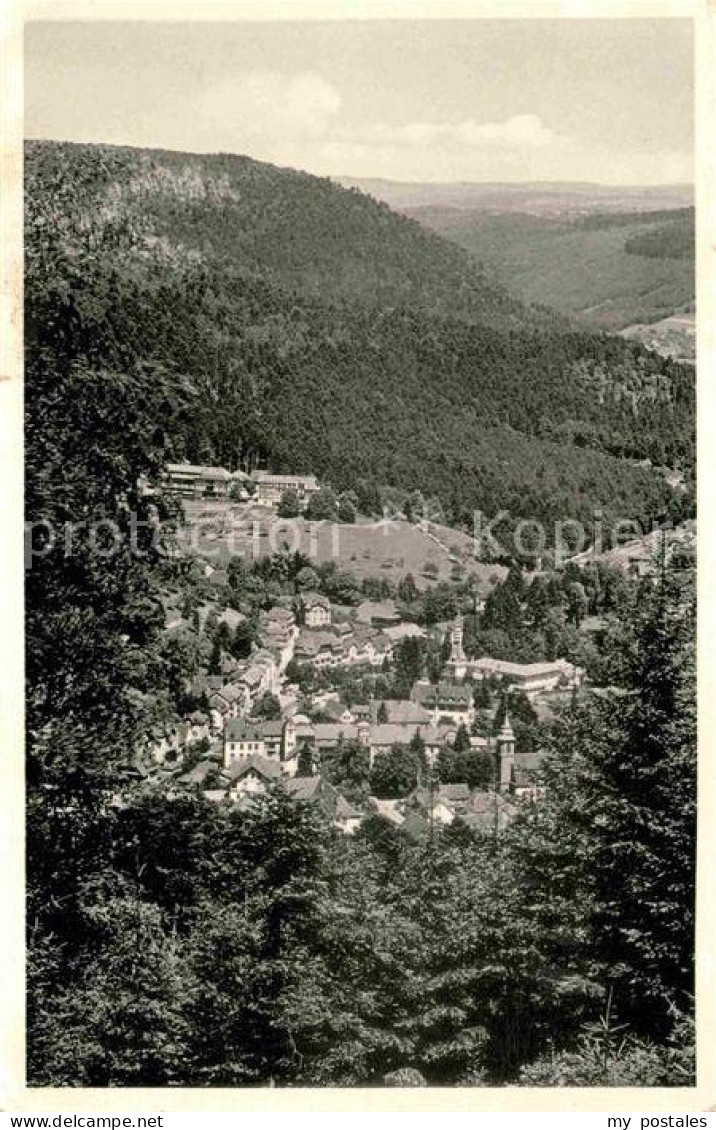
(360, 552)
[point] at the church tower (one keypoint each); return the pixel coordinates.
(457, 661)
(506, 755)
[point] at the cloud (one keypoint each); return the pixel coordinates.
(520, 147)
(272, 106)
(296, 119)
(519, 131)
(301, 107)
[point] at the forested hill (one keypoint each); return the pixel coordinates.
(607, 269)
(251, 219)
(322, 332)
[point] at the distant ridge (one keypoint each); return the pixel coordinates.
(536, 197)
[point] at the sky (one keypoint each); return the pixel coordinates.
(608, 101)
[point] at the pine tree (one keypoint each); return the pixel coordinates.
(609, 853)
(645, 815)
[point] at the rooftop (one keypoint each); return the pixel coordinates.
(273, 728)
(230, 691)
(239, 730)
(197, 775)
(270, 477)
(197, 471)
(522, 670)
(400, 711)
(404, 631)
(302, 788)
(329, 732)
(443, 693)
(312, 599)
(261, 766)
(453, 793)
(393, 733)
(345, 810)
(381, 610)
(279, 615)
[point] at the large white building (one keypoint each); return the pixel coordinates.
(532, 678)
(269, 487)
(317, 610)
(193, 481)
(242, 740)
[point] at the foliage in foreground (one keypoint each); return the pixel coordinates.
(176, 941)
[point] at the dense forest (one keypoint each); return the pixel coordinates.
(607, 269)
(674, 240)
(322, 332)
(172, 941)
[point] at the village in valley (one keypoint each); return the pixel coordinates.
(360, 499)
(360, 697)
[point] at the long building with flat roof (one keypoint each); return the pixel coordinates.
(195, 481)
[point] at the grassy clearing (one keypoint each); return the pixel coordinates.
(387, 549)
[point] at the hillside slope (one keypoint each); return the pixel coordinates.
(608, 270)
(321, 331)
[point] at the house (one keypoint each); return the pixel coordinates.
(387, 809)
(314, 790)
(217, 577)
(322, 649)
(328, 735)
(216, 796)
(430, 804)
(321, 700)
(325, 649)
(228, 702)
(198, 775)
(334, 806)
(398, 632)
(271, 732)
(416, 825)
(278, 626)
(531, 678)
(269, 487)
(347, 818)
(335, 711)
(527, 780)
(317, 610)
(193, 481)
(242, 740)
(379, 614)
(456, 796)
(451, 701)
(260, 676)
(366, 645)
(297, 731)
(400, 711)
(489, 811)
(250, 776)
(382, 736)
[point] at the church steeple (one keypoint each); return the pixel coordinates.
(457, 661)
(506, 754)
